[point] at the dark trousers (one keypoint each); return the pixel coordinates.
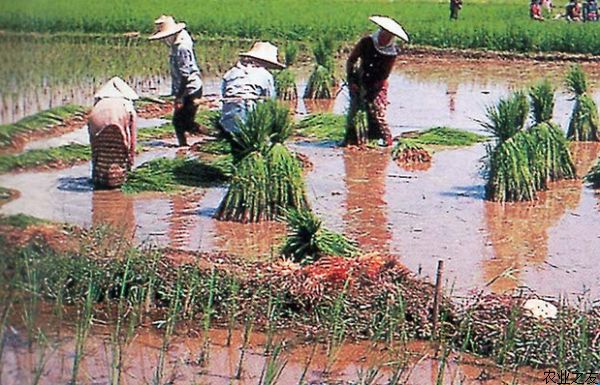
(184, 117)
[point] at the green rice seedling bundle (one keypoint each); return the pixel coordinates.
(285, 85)
(508, 117)
(407, 151)
(321, 82)
(593, 177)
(290, 53)
(357, 128)
(267, 176)
(307, 240)
(584, 122)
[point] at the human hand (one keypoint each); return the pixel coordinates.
(178, 104)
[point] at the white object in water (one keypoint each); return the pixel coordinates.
(540, 309)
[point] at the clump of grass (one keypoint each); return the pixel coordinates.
(525, 161)
(321, 82)
(267, 177)
(285, 85)
(168, 175)
(593, 176)
(39, 122)
(584, 123)
(63, 155)
(20, 220)
(307, 240)
(323, 126)
(407, 151)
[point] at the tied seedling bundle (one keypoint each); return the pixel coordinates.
(322, 82)
(267, 177)
(407, 152)
(285, 80)
(525, 160)
(307, 241)
(357, 120)
(584, 122)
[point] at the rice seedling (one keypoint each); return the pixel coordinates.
(290, 53)
(267, 177)
(206, 322)
(407, 151)
(84, 323)
(370, 376)
(593, 176)
(584, 123)
(64, 155)
(323, 126)
(507, 117)
(322, 81)
(274, 366)
(307, 364)
(307, 241)
(169, 324)
(247, 333)
(357, 118)
(337, 326)
(285, 85)
(232, 308)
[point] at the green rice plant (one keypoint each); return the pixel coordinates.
(370, 376)
(357, 128)
(254, 134)
(274, 366)
(337, 325)
(550, 159)
(584, 123)
(507, 117)
(322, 126)
(307, 240)
(307, 364)
(84, 323)
(247, 333)
(593, 176)
(38, 123)
(116, 340)
(285, 85)
(206, 322)
(320, 84)
(287, 189)
(64, 155)
(451, 137)
(232, 305)
(323, 51)
(290, 53)
(169, 323)
(542, 101)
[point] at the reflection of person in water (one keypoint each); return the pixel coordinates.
(451, 92)
(366, 208)
(116, 210)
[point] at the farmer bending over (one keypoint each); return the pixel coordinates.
(246, 83)
(186, 83)
(112, 130)
(368, 84)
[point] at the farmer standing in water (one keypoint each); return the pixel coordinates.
(368, 83)
(186, 83)
(112, 131)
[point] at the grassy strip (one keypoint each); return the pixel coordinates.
(324, 126)
(498, 25)
(38, 122)
(158, 132)
(20, 221)
(168, 175)
(68, 154)
(447, 137)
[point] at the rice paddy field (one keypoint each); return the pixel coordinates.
(376, 266)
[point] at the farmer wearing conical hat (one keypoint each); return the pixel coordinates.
(112, 130)
(368, 83)
(248, 82)
(186, 83)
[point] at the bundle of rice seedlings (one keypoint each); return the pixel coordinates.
(584, 122)
(542, 101)
(290, 53)
(593, 177)
(357, 128)
(508, 117)
(267, 176)
(307, 241)
(406, 151)
(285, 85)
(322, 81)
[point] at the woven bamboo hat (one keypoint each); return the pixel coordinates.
(165, 27)
(264, 52)
(391, 26)
(116, 88)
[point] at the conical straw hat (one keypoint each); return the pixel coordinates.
(390, 25)
(265, 52)
(116, 88)
(165, 27)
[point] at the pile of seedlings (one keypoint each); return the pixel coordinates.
(524, 160)
(407, 152)
(584, 123)
(308, 241)
(321, 84)
(267, 177)
(285, 80)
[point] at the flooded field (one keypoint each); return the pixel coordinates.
(420, 216)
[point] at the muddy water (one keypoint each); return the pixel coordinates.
(141, 355)
(419, 215)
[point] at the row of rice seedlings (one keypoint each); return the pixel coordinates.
(525, 161)
(267, 177)
(584, 124)
(321, 83)
(307, 240)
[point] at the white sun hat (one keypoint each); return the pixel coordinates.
(265, 52)
(165, 27)
(540, 309)
(116, 88)
(391, 26)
